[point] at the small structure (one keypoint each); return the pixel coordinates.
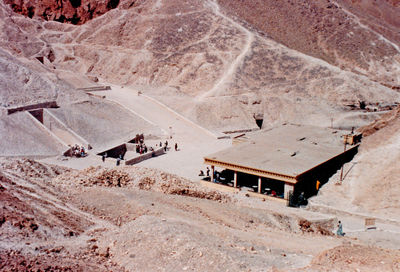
(127, 151)
(352, 139)
(370, 223)
(286, 160)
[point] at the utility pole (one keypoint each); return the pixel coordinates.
(341, 170)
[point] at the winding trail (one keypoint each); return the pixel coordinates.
(229, 73)
(358, 21)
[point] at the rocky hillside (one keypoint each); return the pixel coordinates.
(370, 182)
(64, 11)
(211, 62)
(359, 36)
(136, 219)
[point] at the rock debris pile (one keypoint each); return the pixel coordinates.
(142, 179)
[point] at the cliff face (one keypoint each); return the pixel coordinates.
(64, 11)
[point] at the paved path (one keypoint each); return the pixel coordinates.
(194, 142)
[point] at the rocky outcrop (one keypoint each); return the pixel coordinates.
(65, 11)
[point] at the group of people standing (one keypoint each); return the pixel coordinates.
(78, 151)
(141, 147)
(207, 171)
(166, 146)
(118, 161)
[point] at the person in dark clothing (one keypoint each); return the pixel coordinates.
(176, 147)
(103, 157)
(118, 161)
(208, 172)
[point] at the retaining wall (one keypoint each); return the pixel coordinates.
(95, 88)
(50, 133)
(116, 151)
(62, 131)
(146, 156)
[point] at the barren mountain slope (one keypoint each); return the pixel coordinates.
(371, 179)
(218, 67)
(366, 42)
(142, 219)
(217, 72)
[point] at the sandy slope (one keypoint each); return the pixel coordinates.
(214, 68)
(143, 219)
(371, 179)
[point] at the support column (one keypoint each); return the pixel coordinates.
(259, 185)
(235, 179)
(212, 173)
(287, 189)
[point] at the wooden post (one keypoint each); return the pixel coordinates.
(259, 185)
(235, 179)
(212, 173)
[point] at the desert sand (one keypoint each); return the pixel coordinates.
(193, 73)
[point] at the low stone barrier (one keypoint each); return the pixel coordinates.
(145, 156)
(95, 88)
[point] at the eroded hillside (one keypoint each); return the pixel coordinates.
(130, 218)
(218, 63)
(218, 70)
(366, 42)
(371, 180)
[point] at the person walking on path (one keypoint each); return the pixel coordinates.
(339, 231)
(166, 146)
(118, 161)
(176, 146)
(103, 157)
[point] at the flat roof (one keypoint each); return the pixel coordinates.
(287, 150)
